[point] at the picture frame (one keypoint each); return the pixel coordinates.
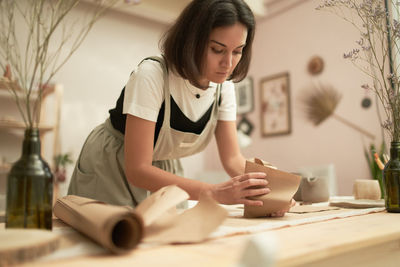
(275, 105)
(245, 126)
(244, 96)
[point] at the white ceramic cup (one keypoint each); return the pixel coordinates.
(366, 189)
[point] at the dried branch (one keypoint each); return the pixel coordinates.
(378, 46)
(31, 46)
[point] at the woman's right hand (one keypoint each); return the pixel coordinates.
(238, 189)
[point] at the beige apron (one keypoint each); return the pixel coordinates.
(100, 170)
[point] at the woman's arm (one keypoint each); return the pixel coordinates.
(139, 138)
(228, 148)
(139, 135)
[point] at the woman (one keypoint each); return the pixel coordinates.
(170, 108)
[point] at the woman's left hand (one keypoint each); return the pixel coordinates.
(281, 213)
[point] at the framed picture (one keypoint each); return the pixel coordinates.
(244, 96)
(245, 126)
(275, 105)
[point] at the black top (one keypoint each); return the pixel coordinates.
(178, 120)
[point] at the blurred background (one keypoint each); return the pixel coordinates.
(296, 49)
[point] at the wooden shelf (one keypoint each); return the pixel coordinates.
(9, 124)
(5, 84)
(5, 168)
(166, 12)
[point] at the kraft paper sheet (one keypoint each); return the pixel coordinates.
(237, 225)
(156, 220)
(283, 186)
(357, 203)
(309, 209)
(74, 245)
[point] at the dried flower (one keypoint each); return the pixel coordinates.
(367, 88)
(353, 55)
(35, 42)
(379, 45)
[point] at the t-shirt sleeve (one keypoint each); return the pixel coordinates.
(144, 91)
(227, 109)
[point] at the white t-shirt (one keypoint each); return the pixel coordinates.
(144, 95)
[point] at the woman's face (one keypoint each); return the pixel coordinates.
(223, 52)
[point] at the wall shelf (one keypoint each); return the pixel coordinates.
(18, 125)
(10, 122)
(5, 168)
(166, 12)
(5, 84)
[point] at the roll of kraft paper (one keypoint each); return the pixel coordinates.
(117, 228)
(283, 186)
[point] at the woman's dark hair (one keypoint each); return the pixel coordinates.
(185, 43)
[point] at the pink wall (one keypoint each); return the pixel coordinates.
(285, 43)
(95, 75)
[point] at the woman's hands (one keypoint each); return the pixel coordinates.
(281, 213)
(239, 188)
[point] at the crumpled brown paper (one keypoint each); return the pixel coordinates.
(163, 224)
(156, 220)
(283, 186)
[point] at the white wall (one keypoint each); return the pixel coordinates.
(93, 79)
(95, 75)
(285, 43)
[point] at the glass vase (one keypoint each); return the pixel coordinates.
(30, 188)
(391, 179)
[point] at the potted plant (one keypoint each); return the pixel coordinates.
(61, 161)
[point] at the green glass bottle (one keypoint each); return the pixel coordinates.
(30, 188)
(391, 179)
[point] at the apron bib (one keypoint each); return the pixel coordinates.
(174, 144)
(100, 169)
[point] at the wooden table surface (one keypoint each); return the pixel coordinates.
(365, 240)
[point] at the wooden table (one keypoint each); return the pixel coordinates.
(366, 240)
